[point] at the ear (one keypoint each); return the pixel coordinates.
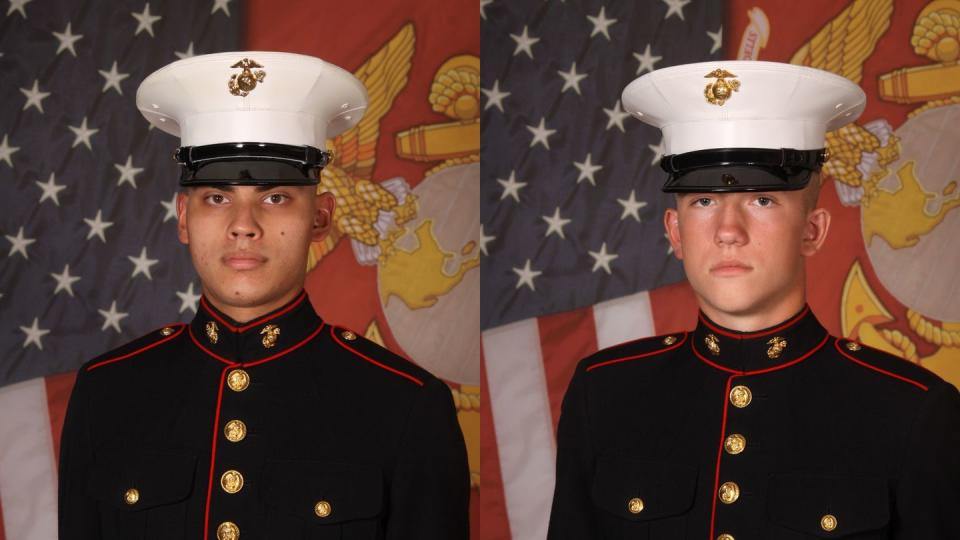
(323, 216)
(182, 233)
(815, 231)
(671, 222)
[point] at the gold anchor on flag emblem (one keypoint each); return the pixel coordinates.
(243, 83)
(720, 90)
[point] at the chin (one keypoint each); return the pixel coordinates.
(732, 298)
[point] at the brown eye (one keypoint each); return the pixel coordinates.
(216, 198)
(276, 198)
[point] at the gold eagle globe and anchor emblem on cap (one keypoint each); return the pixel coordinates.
(722, 89)
(241, 84)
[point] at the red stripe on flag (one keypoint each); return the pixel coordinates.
(59, 388)
(565, 339)
(493, 505)
(674, 308)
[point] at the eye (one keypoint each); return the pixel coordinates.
(703, 202)
(276, 198)
(215, 199)
(764, 201)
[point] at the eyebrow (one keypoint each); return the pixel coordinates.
(231, 188)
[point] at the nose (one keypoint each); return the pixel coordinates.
(244, 223)
(731, 230)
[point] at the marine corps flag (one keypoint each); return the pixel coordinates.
(886, 277)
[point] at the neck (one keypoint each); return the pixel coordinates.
(756, 317)
(245, 313)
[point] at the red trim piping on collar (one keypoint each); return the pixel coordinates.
(764, 370)
(774, 330)
(716, 474)
(372, 361)
(141, 349)
(923, 387)
(213, 454)
(261, 320)
(637, 356)
(231, 363)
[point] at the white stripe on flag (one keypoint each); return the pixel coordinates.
(523, 422)
(28, 478)
(623, 319)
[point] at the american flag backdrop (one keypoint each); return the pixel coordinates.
(89, 257)
(572, 218)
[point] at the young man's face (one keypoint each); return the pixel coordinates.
(249, 244)
(744, 253)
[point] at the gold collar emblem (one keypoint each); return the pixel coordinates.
(243, 83)
(212, 333)
(777, 345)
(722, 89)
(712, 343)
(270, 334)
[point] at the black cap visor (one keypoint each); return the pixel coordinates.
(740, 169)
(256, 164)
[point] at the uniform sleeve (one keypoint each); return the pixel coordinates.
(572, 516)
(78, 515)
(928, 490)
(430, 488)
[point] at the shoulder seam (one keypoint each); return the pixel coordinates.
(407, 376)
(180, 327)
(836, 344)
(676, 345)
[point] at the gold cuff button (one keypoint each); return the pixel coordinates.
(853, 346)
(635, 505)
(231, 481)
(131, 496)
(228, 531)
(726, 536)
(828, 522)
(167, 330)
(729, 492)
(735, 444)
(322, 509)
(238, 380)
(669, 340)
(235, 430)
(740, 396)
(348, 335)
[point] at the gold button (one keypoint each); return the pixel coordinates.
(828, 522)
(231, 481)
(348, 335)
(740, 396)
(635, 505)
(669, 340)
(735, 443)
(729, 492)
(270, 334)
(853, 346)
(238, 380)
(726, 536)
(322, 509)
(235, 430)
(167, 330)
(713, 344)
(131, 496)
(228, 531)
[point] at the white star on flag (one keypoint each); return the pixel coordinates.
(113, 78)
(717, 38)
(34, 97)
(555, 224)
(525, 43)
(82, 134)
(145, 20)
(6, 151)
(616, 116)
(511, 187)
(658, 151)
(185, 54)
(587, 170)
(17, 5)
(188, 299)
(111, 317)
(631, 206)
(601, 259)
(526, 275)
(494, 96)
(67, 40)
(19, 243)
(541, 134)
(128, 172)
(571, 79)
(601, 24)
(483, 5)
(34, 333)
(50, 190)
(221, 5)
(647, 61)
(64, 281)
(675, 7)
(97, 226)
(484, 240)
(141, 264)
(170, 207)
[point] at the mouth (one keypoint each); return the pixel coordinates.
(244, 261)
(730, 268)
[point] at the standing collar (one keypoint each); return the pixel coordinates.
(760, 351)
(266, 337)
